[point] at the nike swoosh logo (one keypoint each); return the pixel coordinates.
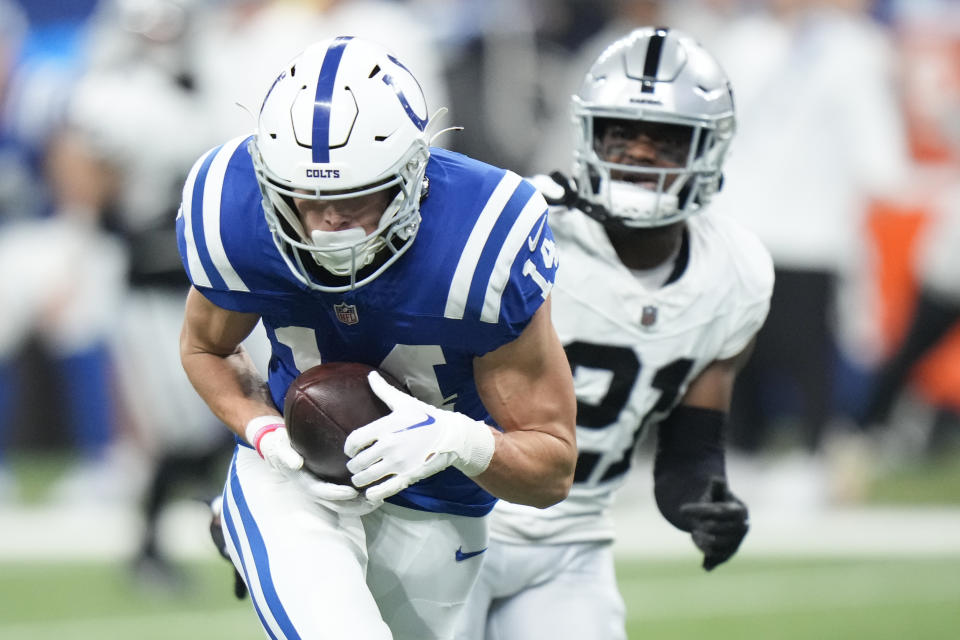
(533, 240)
(430, 420)
(462, 555)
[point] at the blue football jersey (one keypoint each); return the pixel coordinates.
(482, 263)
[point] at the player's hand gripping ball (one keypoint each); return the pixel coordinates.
(323, 405)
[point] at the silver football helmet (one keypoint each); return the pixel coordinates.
(659, 86)
(343, 119)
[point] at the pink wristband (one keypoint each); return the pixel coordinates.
(262, 426)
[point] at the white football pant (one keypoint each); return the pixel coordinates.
(545, 592)
(395, 573)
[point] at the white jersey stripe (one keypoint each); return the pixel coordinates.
(535, 209)
(463, 276)
(197, 273)
(211, 215)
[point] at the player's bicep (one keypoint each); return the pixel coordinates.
(526, 384)
(208, 328)
(713, 388)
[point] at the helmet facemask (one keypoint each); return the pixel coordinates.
(346, 254)
(648, 173)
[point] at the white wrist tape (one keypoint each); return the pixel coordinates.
(482, 444)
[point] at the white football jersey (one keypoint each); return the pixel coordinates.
(634, 351)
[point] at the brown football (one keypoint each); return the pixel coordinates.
(323, 405)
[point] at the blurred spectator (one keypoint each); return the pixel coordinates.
(60, 273)
(239, 44)
(935, 316)
(923, 337)
(16, 181)
(138, 113)
(14, 198)
(489, 58)
(529, 52)
(821, 133)
(555, 145)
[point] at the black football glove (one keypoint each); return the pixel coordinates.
(718, 523)
(216, 532)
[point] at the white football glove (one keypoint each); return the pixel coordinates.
(268, 435)
(413, 442)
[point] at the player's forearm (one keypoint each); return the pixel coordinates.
(230, 385)
(530, 467)
(689, 454)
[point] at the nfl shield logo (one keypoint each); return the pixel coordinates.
(649, 316)
(346, 313)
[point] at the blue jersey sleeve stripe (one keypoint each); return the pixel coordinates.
(197, 224)
(320, 143)
(212, 195)
(524, 232)
(470, 257)
(258, 551)
(491, 250)
(195, 269)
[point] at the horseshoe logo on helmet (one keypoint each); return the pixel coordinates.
(420, 123)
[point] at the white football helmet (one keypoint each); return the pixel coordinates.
(657, 81)
(343, 119)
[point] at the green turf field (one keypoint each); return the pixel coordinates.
(935, 480)
(750, 598)
(877, 599)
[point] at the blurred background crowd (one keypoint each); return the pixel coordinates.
(845, 164)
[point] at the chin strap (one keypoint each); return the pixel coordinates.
(571, 198)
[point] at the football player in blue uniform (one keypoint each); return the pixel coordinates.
(657, 304)
(351, 239)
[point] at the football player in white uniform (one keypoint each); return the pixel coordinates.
(657, 308)
(354, 240)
